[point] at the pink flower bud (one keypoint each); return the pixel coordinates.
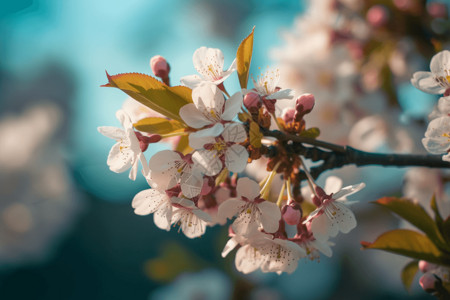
(305, 104)
(292, 213)
(206, 188)
(437, 10)
(428, 282)
(144, 140)
(160, 67)
(403, 4)
(377, 15)
(288, 115)
(425, 266)
(252, 101)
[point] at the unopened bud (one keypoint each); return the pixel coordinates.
(437, 10)
(377, 15)
(425, 266)
(144, 140)
(160, 67)
(304, 104)
(428, 282)
(288, 115)
(291, 213)
(252, 101)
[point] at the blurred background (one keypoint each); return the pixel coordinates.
(67, 229)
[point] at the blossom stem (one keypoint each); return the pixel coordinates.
(310, 180)
(265, 191)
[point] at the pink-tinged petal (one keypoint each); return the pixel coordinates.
(425, 82)
(231, 69)
(124, 119)
(279, 258)
(332, 184)
(236, 158)
(344, 218)
(230, 208)
(234, 132)
(247, 188)
(148, 201)
(112, 132)
(247, 220)
(206, 136)
(164, 169)
(270, 216)
(163, 216)
(119, 160)
(248, 259)
(183, 202)
(232, 106)
(348, 190)
(193, 117)
(282, 94)
(192, 226)
(191, 81)
(229, 246)
(440, 63)
(322, 228)
(208, 162)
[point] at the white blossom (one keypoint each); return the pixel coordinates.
(437, 137)
(438, 80)
(191, 219)
(209, 64)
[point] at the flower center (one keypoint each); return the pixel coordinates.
(447, 135)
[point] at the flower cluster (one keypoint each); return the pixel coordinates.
(201, 182)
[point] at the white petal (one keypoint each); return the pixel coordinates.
(270, 216)
(191, 182)
(164, 169)
(191, 81)
(323, 247)
(206, 136)
(234, 132)
(232, 106)
(124, 119)
(148, 201)
(193, 117)
(134, 169)
(112, 132)
(208, 161)
(440, 62)
(119, 160)
(230, 208)
(229, 246)
(247, 188)
(247, 220)
(282, 94)
(163, 216)
(348, 190)
(248, 259)
(163, 160)
(332, 184)
(344, 218)
(236, 158)
(280, 258)
(209, 100)
(204, 216)
(425, 82)
(322, 228)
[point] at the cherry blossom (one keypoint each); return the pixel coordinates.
(218, 145)
(438, 80)
(126, 152)
(441, 109)
(168, 168)
(332, 215)
(266, 86)
(437, 137)
(210, 107)
(252, 211)
(191, 219)
(156, 202)
(209, 64)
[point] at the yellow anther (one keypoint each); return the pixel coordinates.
(249, 211)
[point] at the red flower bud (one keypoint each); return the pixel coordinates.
(252, 101)
(288, 115)
(428, 282)
(292, 213)
(304, 105)
(377, 15)
(160, 67)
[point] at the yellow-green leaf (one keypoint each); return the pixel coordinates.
(255, 135)
(152, 93)
(414, 214)
(157, 125)
(408, 273)
(183, 145)
(407, 243)
(312, 132)
(244, 58)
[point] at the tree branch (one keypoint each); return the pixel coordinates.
(340, 156)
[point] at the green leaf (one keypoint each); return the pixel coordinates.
(152, 93)
(157, 125)
(437, 215)
(407, 243)
(312, 132)
(446, 229)
(409, 272)
(244, 58)
(416, 215)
